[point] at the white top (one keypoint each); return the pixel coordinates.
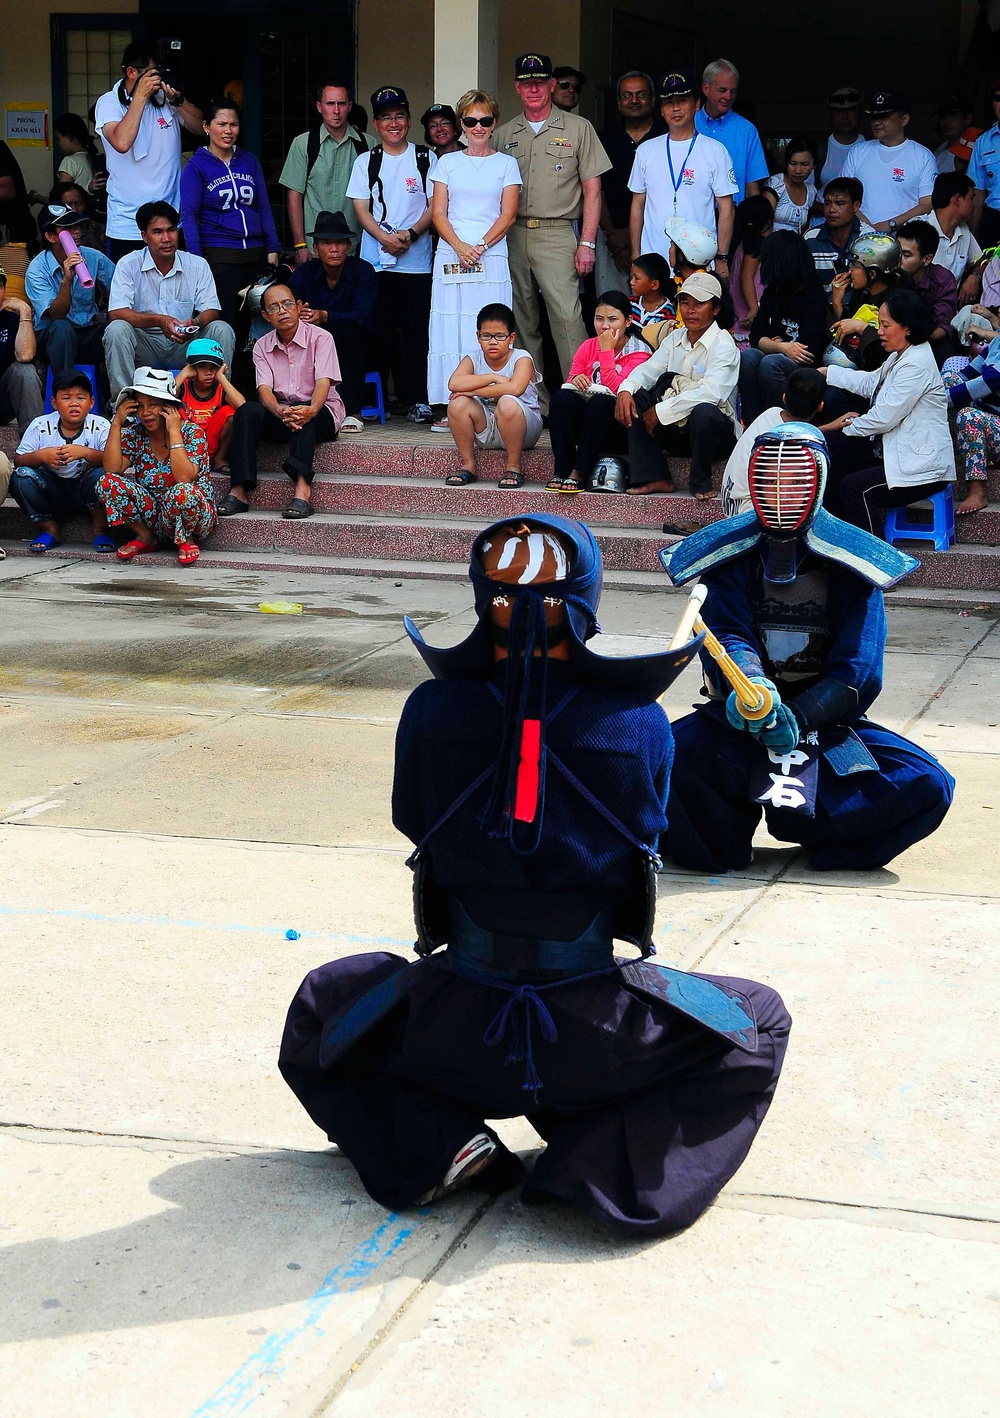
(711, 370)
(909, 411)
(79, 168)
(789, 216)
(944, 157)
(895, 179)
(475, 187)
(399, 203)
(479, 366)
(702, 173)
(536, 127)
(735, 492)
(836, 156)
(957, 253)
(44, 433)
(151, 169)
(187, 289)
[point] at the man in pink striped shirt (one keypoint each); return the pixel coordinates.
(299, 404)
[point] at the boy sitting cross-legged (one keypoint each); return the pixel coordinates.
(58, 464)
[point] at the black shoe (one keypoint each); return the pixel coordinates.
(230, 506)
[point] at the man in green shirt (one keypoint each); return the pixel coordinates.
(318, 165)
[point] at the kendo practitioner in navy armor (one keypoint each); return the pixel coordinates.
(795, 597)
(532, 775)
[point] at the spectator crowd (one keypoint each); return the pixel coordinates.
(154, 330)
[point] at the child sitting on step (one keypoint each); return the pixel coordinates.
(209, 399)
(494, 399)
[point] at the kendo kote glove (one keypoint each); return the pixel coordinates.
(781, 731)
(737, 720)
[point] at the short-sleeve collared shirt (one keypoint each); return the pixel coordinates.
(43, 279)
(187, 289)
(291, 369)
(553, 163)
(326, 188)
(984, 165)
(742, 142)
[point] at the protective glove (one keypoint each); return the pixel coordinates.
(737, 720)
(781, 731)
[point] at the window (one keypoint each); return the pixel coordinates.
(93, 66)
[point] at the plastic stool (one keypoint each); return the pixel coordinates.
(376, 410)
(940, 530)
(89, 369)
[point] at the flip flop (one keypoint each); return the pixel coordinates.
(134, 548)
(511, 479)
(102, 542)
(298, 509)
(187, 553)
(460, 479)
(570, 485)
(44, 542)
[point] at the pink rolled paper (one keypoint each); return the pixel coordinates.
(71, 249)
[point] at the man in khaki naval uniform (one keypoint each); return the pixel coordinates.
(560, 160)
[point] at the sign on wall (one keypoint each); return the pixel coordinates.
(27, 125)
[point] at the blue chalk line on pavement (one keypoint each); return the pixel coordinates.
(267, 1365)
(174, 921)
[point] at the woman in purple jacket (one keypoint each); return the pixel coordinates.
(224, 207)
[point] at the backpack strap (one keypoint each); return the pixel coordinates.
(312, 151)
(423, 164)
(374, 180)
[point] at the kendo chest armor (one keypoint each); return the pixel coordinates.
(792, 622)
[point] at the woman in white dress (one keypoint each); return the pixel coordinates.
(795, 187)
(473, 207)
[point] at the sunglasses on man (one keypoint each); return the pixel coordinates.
(569, 84)
(478, 122)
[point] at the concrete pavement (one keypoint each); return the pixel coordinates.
(184, 780)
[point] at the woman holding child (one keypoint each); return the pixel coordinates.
(473, 207)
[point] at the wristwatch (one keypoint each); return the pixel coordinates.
(722, 256)
(413, 234)
(591, 245)
(176, 102)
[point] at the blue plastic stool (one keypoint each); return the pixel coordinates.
(89, 369)
(376, 410)
(940, 530)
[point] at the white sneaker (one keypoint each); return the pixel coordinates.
(469, 1161)
(352, 424)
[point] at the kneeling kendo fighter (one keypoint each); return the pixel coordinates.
(532, 775)
(794, 595)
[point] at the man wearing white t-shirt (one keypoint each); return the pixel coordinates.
(897, 173)
(389, 187)
(683, 174)
(844, 106)
(140, 125)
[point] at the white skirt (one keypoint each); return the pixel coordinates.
(454, 308)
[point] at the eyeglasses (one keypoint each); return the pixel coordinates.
(493, 339)
(569, 84)
(478, 122)
(279, 305)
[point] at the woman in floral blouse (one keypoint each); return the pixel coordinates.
(156, 470)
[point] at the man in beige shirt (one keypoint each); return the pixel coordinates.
(561, 160)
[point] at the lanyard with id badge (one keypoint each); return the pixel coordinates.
(677, 178)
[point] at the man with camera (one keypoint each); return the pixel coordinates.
(140, 122)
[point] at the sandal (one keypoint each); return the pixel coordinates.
(230, 506)
(460, 479)
(298, 510)
(570, 484)
(187, 553)
(44, 542)
(511, 479)
(134, 548)
(102, 542)
(554, 485)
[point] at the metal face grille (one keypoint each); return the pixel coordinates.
(784, 483)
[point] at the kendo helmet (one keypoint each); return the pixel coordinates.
(787, 478)
(695, 241)
(877, 251)
(609, 475)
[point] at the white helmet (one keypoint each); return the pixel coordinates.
(698, 244)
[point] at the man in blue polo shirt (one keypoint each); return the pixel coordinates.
(68, 322)
(720, 83)
(984, 169)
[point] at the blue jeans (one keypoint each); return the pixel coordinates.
(62, 343)
(762, 382)
(44, 497)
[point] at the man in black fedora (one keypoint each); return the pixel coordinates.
(337, 291)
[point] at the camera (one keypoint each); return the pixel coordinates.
(167, 52)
